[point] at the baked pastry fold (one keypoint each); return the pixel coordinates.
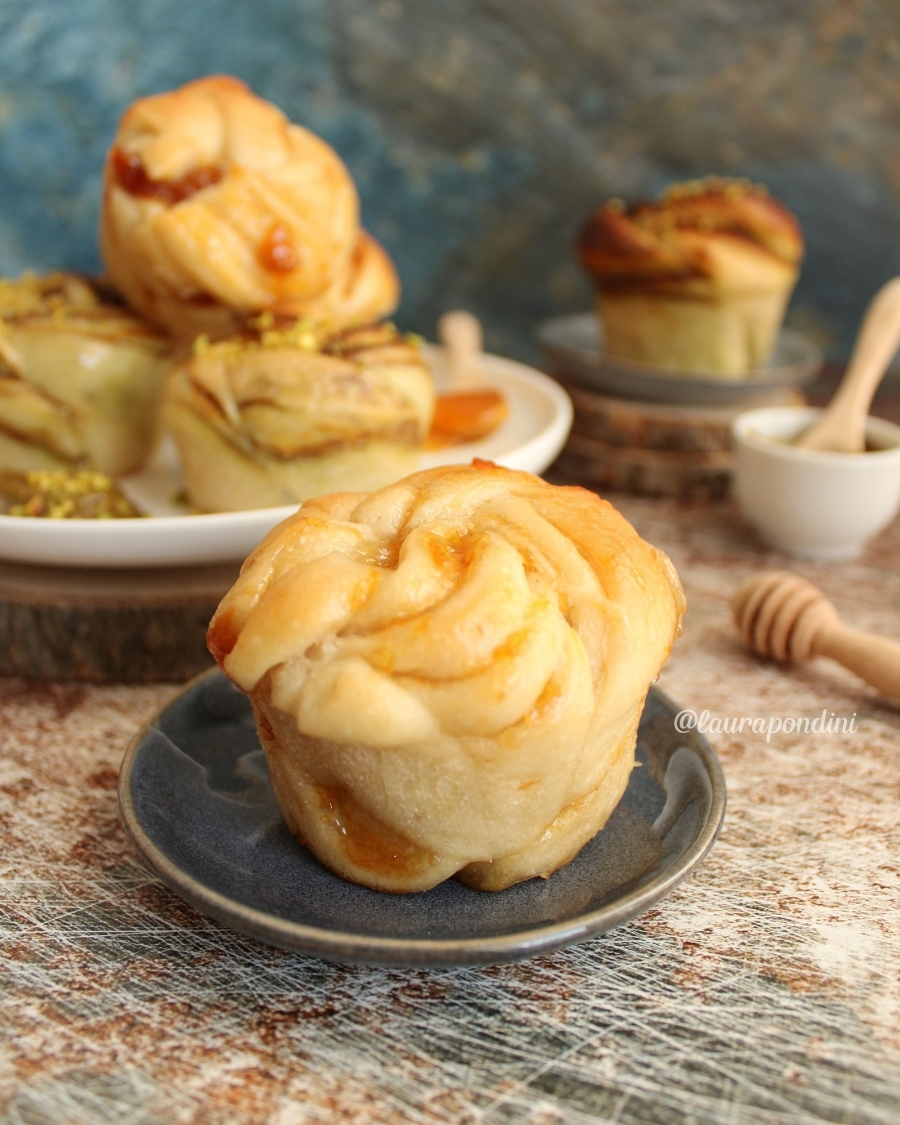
(285, 414)
(696, 281)
(81, 377)
(448, 674)
(216, 207)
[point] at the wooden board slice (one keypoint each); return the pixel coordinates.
(130, 626)
(650, 425)
(656, 449)
(648, 472)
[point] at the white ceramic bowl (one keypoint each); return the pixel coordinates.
(810, 504)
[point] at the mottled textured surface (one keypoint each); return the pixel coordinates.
(482, 133)
(764, 990)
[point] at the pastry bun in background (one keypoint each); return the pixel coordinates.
(448, 674)
(81, 377)
(216, 207)
(278, 415)
(696, 281)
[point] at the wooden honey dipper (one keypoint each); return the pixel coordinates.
(786, 618)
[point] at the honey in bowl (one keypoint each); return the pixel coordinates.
(466, 416)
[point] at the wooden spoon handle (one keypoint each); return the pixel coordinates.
(875, 659)
(842, 426)
(461, 334)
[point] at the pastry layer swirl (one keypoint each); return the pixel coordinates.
(216, 207)
(448, 674)
(681, 242)
(81, 377)
(278, 415)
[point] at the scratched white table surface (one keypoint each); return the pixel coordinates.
(765, 989)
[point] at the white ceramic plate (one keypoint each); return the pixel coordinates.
(540, 417)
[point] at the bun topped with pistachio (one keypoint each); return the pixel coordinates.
(697, 280)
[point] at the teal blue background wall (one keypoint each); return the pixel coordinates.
(482, 132)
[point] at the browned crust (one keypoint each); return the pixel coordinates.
(664, 241)
(71, 302)
(366, 346)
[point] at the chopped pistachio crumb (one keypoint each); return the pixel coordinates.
(303, 334)
(54, 295)
(730, 188)
(60, 494)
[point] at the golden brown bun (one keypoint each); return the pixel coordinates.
(216, 207)
(698, 280)
(285, 414)
(448, 674)
(81, 377)
(673, 245)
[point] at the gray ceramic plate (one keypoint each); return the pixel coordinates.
(573, 345)
(195, 798)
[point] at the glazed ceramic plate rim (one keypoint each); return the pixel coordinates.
(184, 539)
(562, 339)
(346, 946)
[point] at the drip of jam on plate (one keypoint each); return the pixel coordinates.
(466, 416)
(133, 177)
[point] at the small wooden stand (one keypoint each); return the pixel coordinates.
(655, 449)
(129, 626)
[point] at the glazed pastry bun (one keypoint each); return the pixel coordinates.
(216, 207)
(81, 377)
(696, 281)
(448, 674)
(279, 415)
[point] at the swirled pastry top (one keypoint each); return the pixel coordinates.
(464, 601)
(705, 235)
(214, 201)
(304, 389)
(67, 302)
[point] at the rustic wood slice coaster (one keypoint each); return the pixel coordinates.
(651, 425)
(129, 626)
(647, 472)
(656, 449)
